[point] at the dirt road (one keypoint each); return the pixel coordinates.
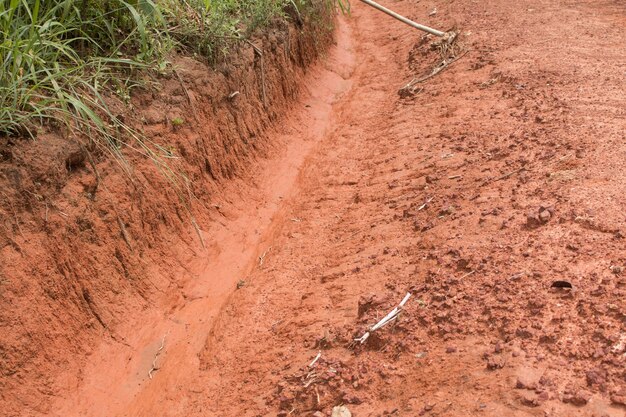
(500, 176)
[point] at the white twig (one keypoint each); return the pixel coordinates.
(319, 355)
(156, 356)
(262, 257)
(393, 314)
(423, 206)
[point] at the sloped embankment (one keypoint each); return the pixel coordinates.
(83, 246)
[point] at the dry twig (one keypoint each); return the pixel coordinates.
(262, 257)
(423, 206)
(258, 51)
(156, 356)
(393, 314)
(314, 361)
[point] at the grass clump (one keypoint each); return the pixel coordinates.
(64, 62)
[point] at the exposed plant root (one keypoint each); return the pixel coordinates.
(156, 357)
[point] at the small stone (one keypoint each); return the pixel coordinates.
(495, 363)
(351, 399)
(543, 396)
(579, 398)
(529, 400)
(318, 414)
(450, 349)
(545, 380)
(341, 411)
(619, 397)
(524, 382)
(595, 376)
(544, 216)
(533, 221)
(598, 353)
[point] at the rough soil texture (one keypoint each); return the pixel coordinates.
(499, 179)
(84, 263)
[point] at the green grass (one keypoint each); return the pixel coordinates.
(63, 62)
(55, 53)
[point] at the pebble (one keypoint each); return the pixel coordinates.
(532, 220)
(596, 376)
(341, 411)
(524, 382)
(619, 397)
(579, 398)
(544, 216)
(529, 400)
(495, 363)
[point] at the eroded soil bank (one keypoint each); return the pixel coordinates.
(497, 178)
(92, 265)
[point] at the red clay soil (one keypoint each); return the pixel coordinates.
(483, 194)
(88, 265)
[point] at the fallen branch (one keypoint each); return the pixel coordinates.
(405, 20)
(393, 314)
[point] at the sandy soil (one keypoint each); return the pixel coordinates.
(496, 179)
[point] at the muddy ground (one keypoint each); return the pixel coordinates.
(493, 193)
